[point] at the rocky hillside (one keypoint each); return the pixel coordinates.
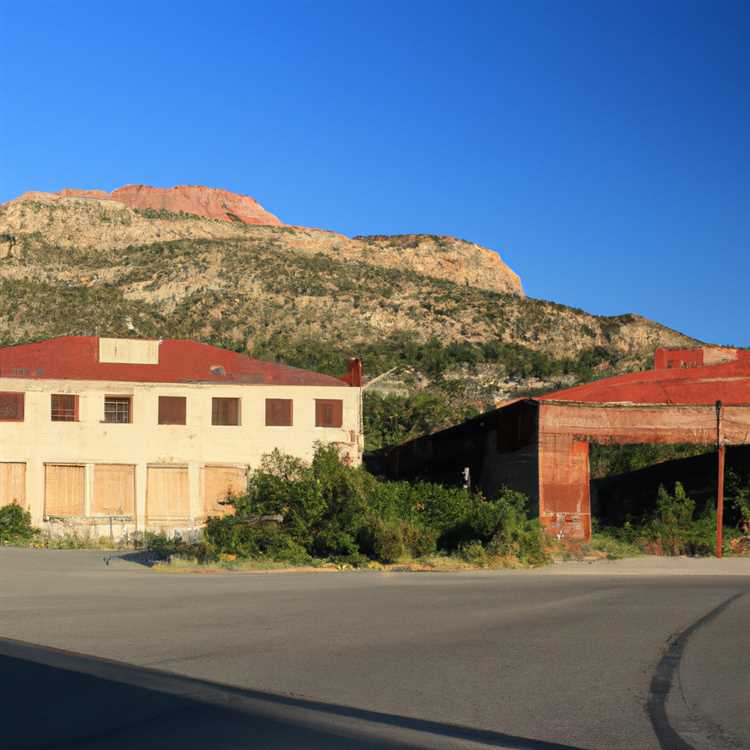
(448, 314)
(97, 221)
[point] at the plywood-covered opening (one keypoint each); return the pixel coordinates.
(329, 412)
(64, 490)
(219, 482)
(167, 493)
(114, 490)
(13, 484)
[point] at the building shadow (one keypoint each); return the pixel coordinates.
(52, 698)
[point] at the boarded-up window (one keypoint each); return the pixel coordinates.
(64, 407)
(13, 484)
(64, 490)
(167, 493)
(172, 409)
(225, 411)
(118, 409)
(328, 412)
(218, 483)
(11, 407)
(279, 412)
(114, 490)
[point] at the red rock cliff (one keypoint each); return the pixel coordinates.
(192, 199)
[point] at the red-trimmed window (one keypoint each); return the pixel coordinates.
(64, 407)
(329, 412)
(11, 407)
(278, 412)
(225, 411)
(172, 409)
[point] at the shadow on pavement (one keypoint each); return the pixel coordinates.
(54, 698)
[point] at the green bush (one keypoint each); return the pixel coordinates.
(334, 511)
(672, 527)
(473, 552)
(382, 540)
(15, 524)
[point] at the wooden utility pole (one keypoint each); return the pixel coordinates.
(720, 484)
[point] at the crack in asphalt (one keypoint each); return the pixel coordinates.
(664, 677)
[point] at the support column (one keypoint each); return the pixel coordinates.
(141, 482)
(196, 501)
(564, 491)
(35, 490)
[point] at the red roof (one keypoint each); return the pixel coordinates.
(728, 382)
(180, 361)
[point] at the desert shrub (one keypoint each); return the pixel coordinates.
(738, 494)
(515, 534)
(382, 540)
(335, 511)
(161, 546)
(15, 524)
(672, 526)
(418, 541)
(473, 552)
(227, 535)
(321, 504)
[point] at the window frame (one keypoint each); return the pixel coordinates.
(74, 412)
(20, 398)
(173, 399)
(288, 415)
(121, 397)
(337, 404)
(215, 413)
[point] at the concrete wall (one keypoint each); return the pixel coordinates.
(37, 440)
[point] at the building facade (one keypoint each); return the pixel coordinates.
(103, 435)
(540, 446)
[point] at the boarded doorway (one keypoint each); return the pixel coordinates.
(114, 490)
(217, 482)
(13, 484)
(168, 493)
(64, 490)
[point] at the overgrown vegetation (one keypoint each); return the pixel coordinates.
(15, 525)
(674, 528)
(608, 460)
(331, 511)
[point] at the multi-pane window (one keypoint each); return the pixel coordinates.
(64, 407)
(118, 409)
(11, 407)
(329, 412)
(172, 409)
(279, 412)
(225, 411)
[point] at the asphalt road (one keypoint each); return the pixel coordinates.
(119, 656)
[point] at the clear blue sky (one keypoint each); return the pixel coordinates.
(602, 147)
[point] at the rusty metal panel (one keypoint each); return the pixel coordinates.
(637, 423)
(114, 490)
(167, 493)
(13, 484)
(217, 483)
(64, 490)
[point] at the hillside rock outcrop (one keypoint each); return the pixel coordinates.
(210, 203)
(93, 220)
